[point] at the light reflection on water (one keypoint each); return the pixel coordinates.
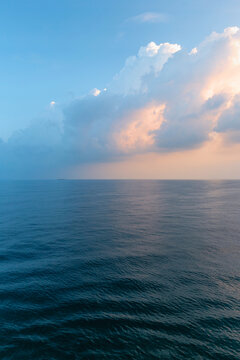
(120, 270)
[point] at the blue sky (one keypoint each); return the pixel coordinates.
(61, 49)
(130, 89)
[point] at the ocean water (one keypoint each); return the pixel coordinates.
(120, 270)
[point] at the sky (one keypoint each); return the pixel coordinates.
(130, 89)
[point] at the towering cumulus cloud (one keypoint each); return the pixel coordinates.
(163, 100)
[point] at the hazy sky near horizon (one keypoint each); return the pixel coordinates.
(130, 89)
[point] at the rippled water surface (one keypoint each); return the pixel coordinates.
(120, 270)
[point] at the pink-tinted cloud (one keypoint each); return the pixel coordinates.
(165, 100)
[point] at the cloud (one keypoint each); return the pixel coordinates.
(164, 100)
(229, 120)
(193, 51)
(148, 17)
(95, 92)
(149, 60)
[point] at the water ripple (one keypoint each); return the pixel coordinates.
(120, 270)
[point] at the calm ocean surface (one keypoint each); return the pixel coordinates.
(120, 270)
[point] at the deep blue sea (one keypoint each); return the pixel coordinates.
(119, 270)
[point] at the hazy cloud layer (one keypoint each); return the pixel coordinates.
(164, 99)
(148, 17)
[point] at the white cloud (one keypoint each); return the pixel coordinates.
(193, 51)
(163, 100)
(150, 59)
(148, 17)
(96, 92)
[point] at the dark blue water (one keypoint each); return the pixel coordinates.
(120, 270)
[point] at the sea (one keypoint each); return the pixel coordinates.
(119, 269)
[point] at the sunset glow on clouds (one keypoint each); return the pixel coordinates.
(165, 103)
(139, 130)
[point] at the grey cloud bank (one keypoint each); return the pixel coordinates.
(164, 99)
